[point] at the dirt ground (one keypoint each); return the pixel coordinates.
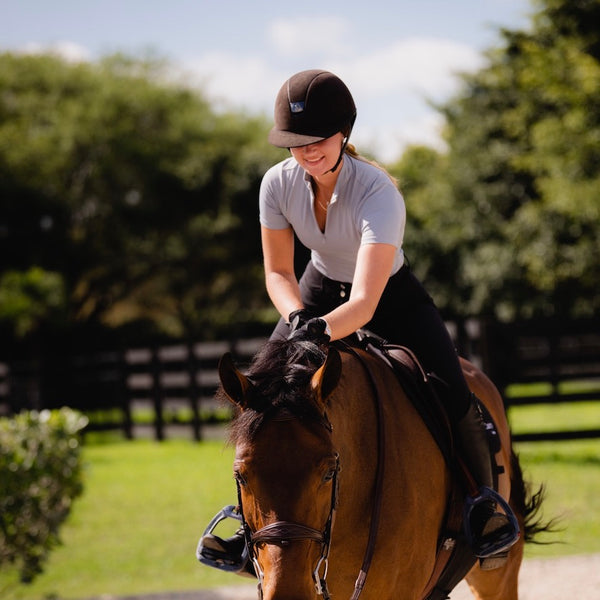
(568, 578)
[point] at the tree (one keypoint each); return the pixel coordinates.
(28, 298)
(512, 208)
(133, 190)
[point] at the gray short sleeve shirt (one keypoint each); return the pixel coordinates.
(366, 208)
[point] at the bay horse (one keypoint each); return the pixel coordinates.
(307, 465)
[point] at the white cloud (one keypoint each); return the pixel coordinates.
(70, 51)
(309, 36)
(389, 83)
(387, 142)
(233, 81)
(391, 87)
(416, 65)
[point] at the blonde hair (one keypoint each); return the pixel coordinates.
(353, 152)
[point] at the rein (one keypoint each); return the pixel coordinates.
(282, 532)
(376, 512)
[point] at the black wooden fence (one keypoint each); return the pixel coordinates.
(167, 387)
(161, 387)
(545, 362)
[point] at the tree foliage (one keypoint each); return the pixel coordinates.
(511, 211)
(133, 190)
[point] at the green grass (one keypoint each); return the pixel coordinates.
(570, 472)
(145, 504)
(566, 416)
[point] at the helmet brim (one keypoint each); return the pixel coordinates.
(288, 139)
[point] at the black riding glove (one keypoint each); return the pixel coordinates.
(312, 331)
(297, 318)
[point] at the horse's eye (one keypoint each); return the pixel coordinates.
(333, 467)
(329, 475)
(239, 478)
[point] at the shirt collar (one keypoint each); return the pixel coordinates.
(343, 176)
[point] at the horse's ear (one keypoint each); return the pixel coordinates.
(328, 375)
(235, 384)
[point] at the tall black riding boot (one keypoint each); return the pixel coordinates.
(491, 533)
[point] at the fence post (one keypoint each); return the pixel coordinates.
(155, 366)
(124, 391)
(192, 364)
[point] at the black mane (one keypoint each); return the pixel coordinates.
(280, 374)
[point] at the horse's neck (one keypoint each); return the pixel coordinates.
(414, 469)
(353, 414)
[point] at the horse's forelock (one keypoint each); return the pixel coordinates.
(280, 374)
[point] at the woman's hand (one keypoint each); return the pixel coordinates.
(313, 330)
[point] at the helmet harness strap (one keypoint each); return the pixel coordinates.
(339, 160)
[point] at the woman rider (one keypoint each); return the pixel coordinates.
(349, 212)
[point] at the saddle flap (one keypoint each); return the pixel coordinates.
(420, 387)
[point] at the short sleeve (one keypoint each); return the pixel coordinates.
(383, 214)
(271, 197)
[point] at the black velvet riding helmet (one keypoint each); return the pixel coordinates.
(312, 106)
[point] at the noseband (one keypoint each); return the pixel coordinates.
(281, 533)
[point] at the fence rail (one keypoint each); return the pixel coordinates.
(174, 385)
(545, 362)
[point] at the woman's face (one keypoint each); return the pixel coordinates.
(317, 159)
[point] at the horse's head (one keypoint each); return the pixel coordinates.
(285, 466)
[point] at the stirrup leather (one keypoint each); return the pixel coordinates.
(506, 538)
(222, 561)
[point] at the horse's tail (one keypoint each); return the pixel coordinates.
(528, 503)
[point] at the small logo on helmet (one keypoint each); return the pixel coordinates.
(296, 107)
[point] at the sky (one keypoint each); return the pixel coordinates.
(396, 56)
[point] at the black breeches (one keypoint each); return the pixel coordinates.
(406, 315)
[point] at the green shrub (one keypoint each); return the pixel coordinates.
(40, 475)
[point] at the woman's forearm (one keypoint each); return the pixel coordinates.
(284, 292)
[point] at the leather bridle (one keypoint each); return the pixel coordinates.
(282, 532)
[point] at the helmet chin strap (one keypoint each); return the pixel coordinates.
(339, 160)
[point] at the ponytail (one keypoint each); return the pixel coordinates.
(353, 152)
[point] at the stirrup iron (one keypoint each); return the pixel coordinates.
(209, 557)
(507, 539)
